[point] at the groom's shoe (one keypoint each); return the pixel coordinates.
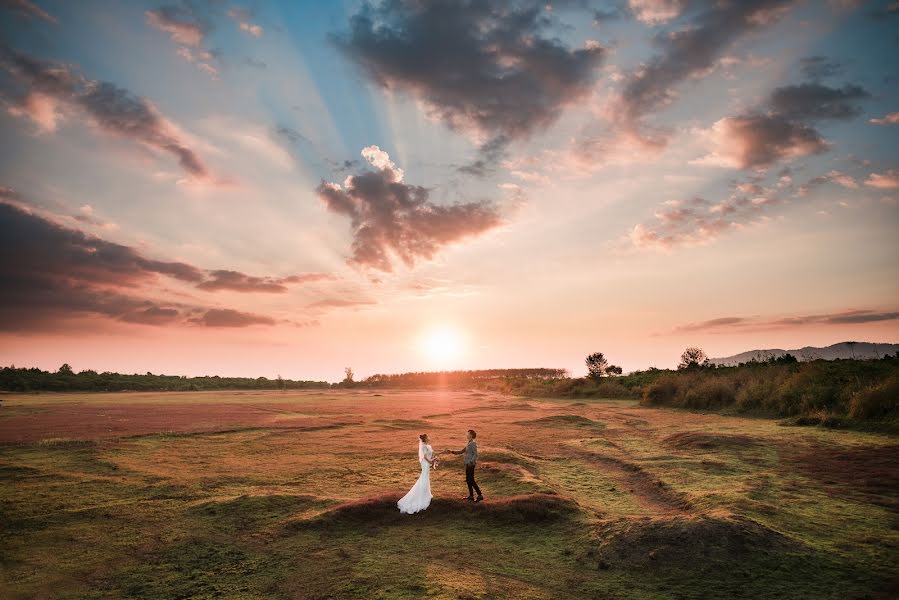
(469, 498)
(479, 499)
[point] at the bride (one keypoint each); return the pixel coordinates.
(419, 497)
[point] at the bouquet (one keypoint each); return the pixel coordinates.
(436, 462)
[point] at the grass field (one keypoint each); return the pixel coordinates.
(292, 494)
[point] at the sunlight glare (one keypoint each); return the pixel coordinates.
(442, 346)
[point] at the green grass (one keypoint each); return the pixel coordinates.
(591, 499)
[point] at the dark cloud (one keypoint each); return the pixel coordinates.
(787, 129)
(43, 88)
(50, 273)
(26, 8)
(760, 140)
(241, 282)
(227, 317)
(814, 101)
(290, 135)
(819, 67)
(711, 324)
(391, 218)
(690, 51)
(845, 318)
(729, 324)
(606, 14)
(486, 67)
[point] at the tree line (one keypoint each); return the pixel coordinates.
(64, 379)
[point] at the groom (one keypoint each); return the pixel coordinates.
(470, 458)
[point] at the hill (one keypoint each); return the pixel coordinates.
(859, 350)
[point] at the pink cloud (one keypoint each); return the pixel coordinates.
(884, 181)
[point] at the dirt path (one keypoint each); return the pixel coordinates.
(649, 492)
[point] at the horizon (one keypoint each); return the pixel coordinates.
(568, 372)
(294, 188)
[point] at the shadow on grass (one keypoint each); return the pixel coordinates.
(382, 510)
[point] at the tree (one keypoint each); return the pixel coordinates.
(693, 358)
(348, 371)
(280, 382)
(613, 370)
(596, 365)
(65, 369)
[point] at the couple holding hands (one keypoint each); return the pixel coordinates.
(419, 497)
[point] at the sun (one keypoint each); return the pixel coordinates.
(443, 346)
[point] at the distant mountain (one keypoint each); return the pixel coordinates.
(841, 350)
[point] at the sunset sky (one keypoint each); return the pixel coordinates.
(258, 189)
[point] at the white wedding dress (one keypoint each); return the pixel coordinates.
(419, 497)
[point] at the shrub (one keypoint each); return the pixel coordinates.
(662, 391)
(876, 401)
(709, 393)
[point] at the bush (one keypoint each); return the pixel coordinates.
(876, 401)
(661, 391)
(708, 393)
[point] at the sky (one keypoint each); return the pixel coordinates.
(262, 189)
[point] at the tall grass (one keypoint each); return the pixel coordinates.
(823, 389)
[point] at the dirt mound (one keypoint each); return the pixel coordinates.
(685, 542)
(691, 440)
(565, 421)
(381, 510)
(868, 473)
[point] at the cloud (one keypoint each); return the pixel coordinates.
(890, 119)
(837, 177)
(884, 181)
(52, 273)
(489, 69)
(188, 25)
(180, 22)
(819, 67)
(244, 20)
(697, 221)
(760, 140)
(28, 9)
(689, 52)
(241, 282)
(813, 101)
(228, 317)
(786, 130)
(655, 12)
(731, 324)
(48, 90)
(393, 219)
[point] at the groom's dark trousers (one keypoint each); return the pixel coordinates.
(469, 479)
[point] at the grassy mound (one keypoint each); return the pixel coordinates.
(565, 421)
(531, 509)
(692, 440)
(686, 542)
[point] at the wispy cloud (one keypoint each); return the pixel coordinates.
(727, 325)
(889, 119)
(686, 53)
(28, 9)
(46, 92)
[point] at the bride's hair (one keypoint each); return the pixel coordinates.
(423, 436)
